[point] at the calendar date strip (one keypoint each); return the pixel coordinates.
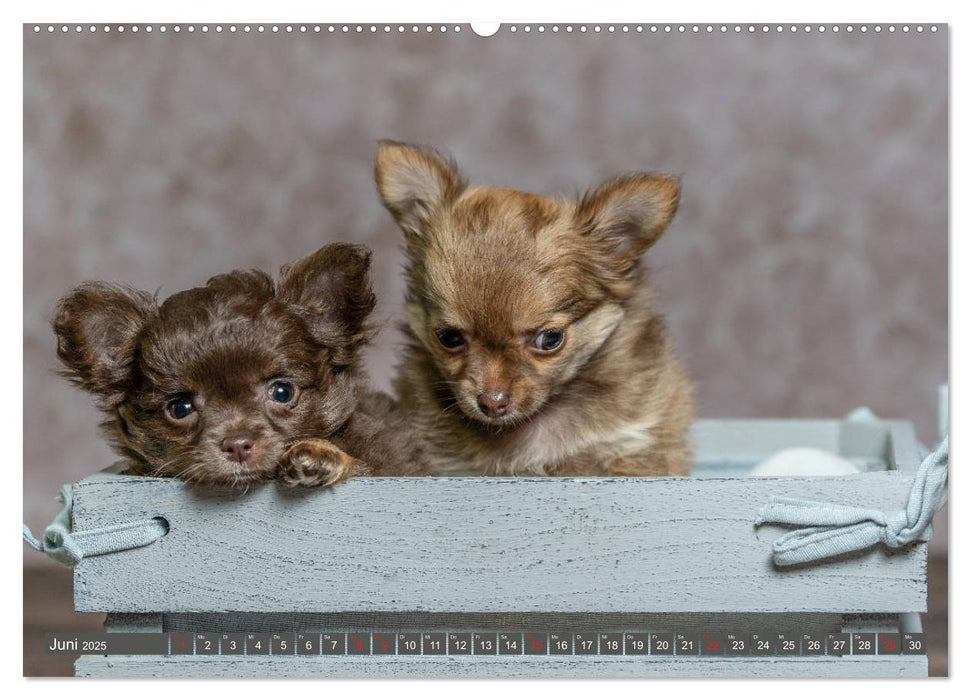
(487, 644)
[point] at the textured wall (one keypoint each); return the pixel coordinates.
(804, 275)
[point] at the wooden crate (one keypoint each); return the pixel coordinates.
(511, 554)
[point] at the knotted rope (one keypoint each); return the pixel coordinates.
(830, 529)
(69, 547)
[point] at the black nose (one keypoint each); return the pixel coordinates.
(494, 403)
(238, 448)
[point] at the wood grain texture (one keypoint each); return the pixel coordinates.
(485, 545)
(500, 667)
(685, 623)
(135, 622)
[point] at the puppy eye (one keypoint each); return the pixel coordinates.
(180, 407)
(548, 340)
(281, 392)
(450, 338)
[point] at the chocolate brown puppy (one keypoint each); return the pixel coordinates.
(534, 343)
(241, 380)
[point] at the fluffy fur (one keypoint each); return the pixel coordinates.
(534, 346)
(267, 375)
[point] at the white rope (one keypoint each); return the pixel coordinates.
(830, 529)
(63, 544)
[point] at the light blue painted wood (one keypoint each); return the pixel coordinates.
(497, 546)
(485, 544)
(501, 667)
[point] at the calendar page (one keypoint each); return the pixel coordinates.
(438, 349)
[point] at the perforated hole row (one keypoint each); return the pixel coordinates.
(512, 28)
(720, 28)
(249, 28)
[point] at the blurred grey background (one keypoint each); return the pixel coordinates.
(805, 274)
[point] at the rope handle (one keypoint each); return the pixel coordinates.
(835, 529)
(68, 547)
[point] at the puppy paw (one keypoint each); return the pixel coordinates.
(316, 463)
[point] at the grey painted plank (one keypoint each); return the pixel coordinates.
(721, 438)
(905, 453)
(485, 545)
(887, 442)
(685, 623)
(136, 622)
(501, 667)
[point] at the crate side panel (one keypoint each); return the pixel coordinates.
(905, 448)
(485, 545)
(720, 438)
(686, 623)
(499, 667)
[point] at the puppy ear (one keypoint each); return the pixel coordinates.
(413, 182)
(97, 328)
(628, 214)
(331, 291)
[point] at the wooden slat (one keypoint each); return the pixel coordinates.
(501, 667)
(685, 623)
(724, 438)
(905, 453)
(135, 622)
(485, 545)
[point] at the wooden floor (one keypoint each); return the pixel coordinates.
(48, 608)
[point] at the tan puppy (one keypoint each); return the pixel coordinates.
(534, 346)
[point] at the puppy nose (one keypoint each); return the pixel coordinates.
(494, 403)
(238, 448)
